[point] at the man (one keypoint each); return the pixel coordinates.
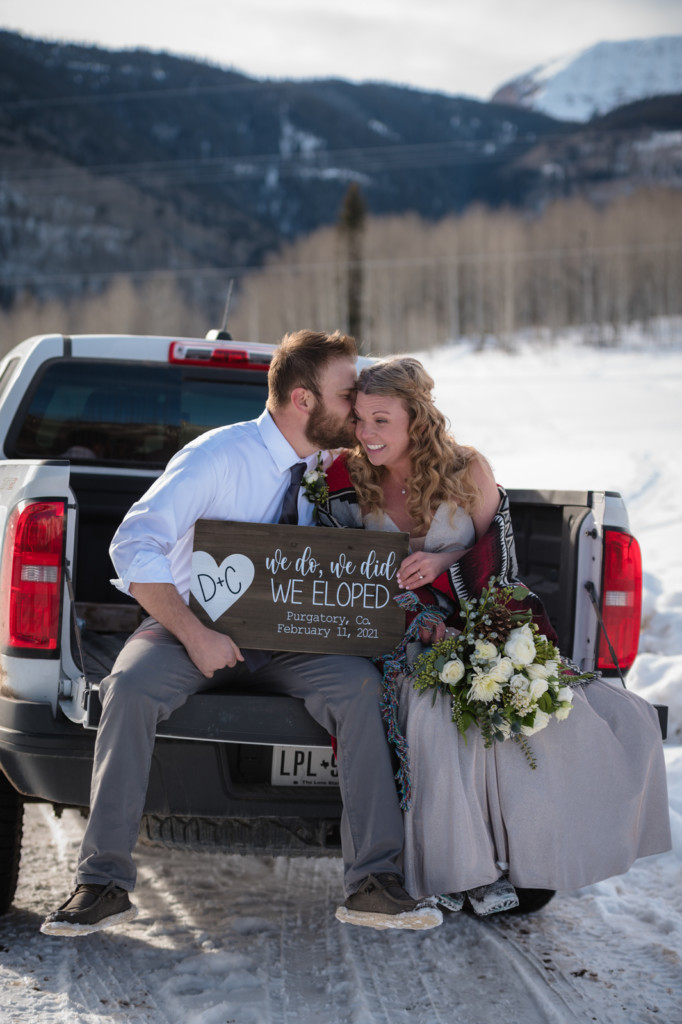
(238, 472)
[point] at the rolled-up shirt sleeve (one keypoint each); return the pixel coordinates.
(162, 519)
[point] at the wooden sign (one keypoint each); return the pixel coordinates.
(299, 588)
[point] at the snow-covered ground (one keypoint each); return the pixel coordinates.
(229, 940)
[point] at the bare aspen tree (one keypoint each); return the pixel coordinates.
(447, 254)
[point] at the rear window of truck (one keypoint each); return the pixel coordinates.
(128, 413)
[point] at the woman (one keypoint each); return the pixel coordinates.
(480, 821)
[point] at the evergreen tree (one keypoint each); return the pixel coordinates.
(351, 223)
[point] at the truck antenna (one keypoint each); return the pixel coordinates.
(223, 334)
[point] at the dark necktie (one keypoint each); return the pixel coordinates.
(289, 515)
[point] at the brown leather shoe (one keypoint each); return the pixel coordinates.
(88, 909)
(382, 902)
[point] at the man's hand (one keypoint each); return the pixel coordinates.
(209, 650)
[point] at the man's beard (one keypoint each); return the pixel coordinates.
(327, 431)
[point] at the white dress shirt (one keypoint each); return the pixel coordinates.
(238, 472)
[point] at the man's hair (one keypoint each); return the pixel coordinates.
(300, 358)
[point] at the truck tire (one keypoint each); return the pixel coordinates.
(531, 900)
(11, 827)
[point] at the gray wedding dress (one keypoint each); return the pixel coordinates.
(596, 801)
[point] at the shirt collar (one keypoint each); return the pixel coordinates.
(283, 455)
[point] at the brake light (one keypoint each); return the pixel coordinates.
(217, 355)
(32, 575)
(621, 599)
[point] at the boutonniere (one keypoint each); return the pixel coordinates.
(315, 485)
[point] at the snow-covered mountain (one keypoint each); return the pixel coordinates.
(590, 82)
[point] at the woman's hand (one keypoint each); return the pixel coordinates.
(439, 632)
(422, 567)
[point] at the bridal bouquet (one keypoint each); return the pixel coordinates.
(502, 674)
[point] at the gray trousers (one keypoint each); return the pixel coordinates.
(153, 676)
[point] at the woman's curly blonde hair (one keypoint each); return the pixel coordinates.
(441, 468)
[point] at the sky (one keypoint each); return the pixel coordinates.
(461, 48)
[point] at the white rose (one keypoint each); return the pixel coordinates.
(563, 712)
(311, 476)
(541, 721)
(484, 651)
(452, 671)
(502, 670)
(536, 688)
(537, 671)
(565, 694)
(520, 646)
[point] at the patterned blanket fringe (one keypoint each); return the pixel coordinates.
(395, 664)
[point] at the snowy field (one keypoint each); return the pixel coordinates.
(228, 940)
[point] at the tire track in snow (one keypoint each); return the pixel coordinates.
(593, 964)
(42, 978)
(453, 973)
(432, 977)
(198, 911)
(69, 980)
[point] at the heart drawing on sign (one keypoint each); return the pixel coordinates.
(217, 587)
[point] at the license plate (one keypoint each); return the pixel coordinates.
(304, 766)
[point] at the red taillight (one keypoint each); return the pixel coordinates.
(217, 355)
(32, 566)
(621, 599)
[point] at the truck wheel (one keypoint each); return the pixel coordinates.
(531, 900)
(11, 824)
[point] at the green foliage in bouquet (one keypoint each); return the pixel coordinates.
(502, 674)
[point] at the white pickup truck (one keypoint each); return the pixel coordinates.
(86, 424)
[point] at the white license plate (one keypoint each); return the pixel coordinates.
(304, 766)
